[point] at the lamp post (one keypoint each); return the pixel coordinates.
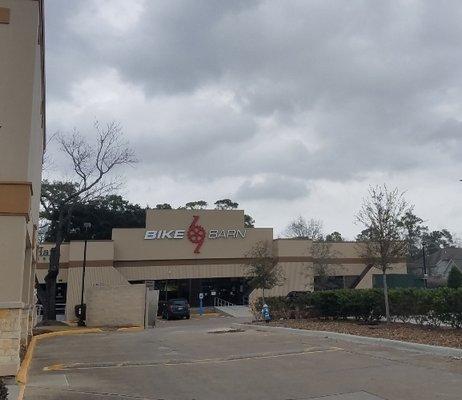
(82, 316)
(166, 284)
(425, 275)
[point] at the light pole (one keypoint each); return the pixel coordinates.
(425, 276)
(166, 284)
(82, 314)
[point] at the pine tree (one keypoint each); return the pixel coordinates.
(455, 278)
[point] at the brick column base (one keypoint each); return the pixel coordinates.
(16, 326)
(10, 340)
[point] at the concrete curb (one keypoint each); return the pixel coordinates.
(396, 344)
(208, 314)
(131, 329)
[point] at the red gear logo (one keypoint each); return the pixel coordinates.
(196, 234)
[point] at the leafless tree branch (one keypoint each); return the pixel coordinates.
(91, 166)
(299, 228)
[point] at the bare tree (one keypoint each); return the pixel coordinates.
(320, 250)
(263, 270)
(299, 228)
(322, 254)
(91, 165)
(47, 161)
(385, 243)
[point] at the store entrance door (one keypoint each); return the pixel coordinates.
(235, 290)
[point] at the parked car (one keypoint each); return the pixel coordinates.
(294, 295)
(176, 308)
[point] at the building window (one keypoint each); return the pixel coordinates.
(4, 15)
(328, 282)
(334, 282)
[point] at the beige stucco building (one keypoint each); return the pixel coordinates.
(22, 130)
(187, 252)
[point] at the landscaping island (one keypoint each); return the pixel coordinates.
(406, 332)
(432, 317)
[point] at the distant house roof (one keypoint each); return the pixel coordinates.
(438, 262)
(446, 254)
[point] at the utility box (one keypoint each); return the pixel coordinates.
(152, 304)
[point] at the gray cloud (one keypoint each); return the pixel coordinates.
(299, 91)
(366, 73)
(272, 187)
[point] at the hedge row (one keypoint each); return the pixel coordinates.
(427, 307)
(3, 390)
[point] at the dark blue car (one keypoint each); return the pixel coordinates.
(176, 308)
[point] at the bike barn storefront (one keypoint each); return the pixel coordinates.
(233, 290)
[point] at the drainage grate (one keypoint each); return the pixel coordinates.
(231, 330)
(349, 396)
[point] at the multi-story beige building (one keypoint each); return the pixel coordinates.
(187, 252)
(22, 130)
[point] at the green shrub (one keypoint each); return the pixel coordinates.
(326, 303)
(405, 302)
(280, 307)
(3, 390)
(370, 305)
(362, 304)
(425, 307)
(448, 306)
(455, 278)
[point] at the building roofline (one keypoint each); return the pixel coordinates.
(41, 41)
(78, 240)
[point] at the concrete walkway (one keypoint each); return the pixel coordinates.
(209, 359)
(236, 311)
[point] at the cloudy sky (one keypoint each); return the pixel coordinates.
(288, 107)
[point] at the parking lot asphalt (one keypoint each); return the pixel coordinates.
(212, 358)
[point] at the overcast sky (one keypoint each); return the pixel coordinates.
(288, 107)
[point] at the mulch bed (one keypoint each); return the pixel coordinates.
(398, 331)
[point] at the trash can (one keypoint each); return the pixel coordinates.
(81, 311)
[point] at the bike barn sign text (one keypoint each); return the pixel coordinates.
(196, 234)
